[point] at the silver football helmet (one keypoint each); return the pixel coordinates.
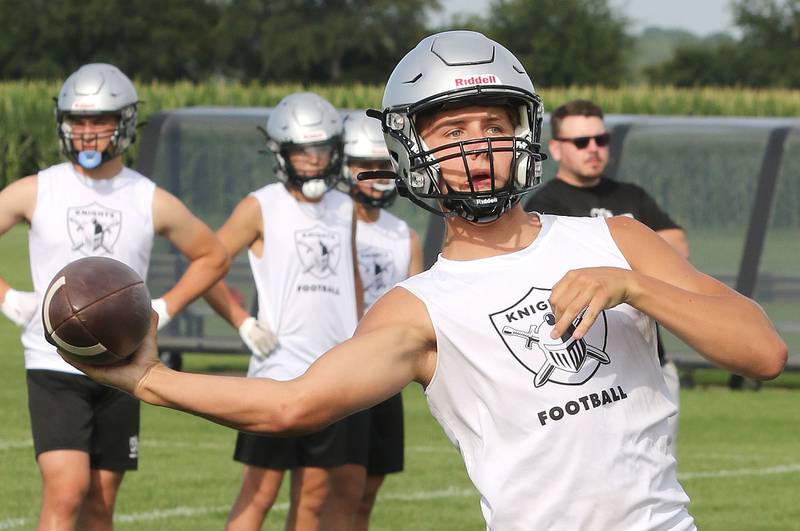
(97, 89)
(449, 70)
(364, 145)
(306, 123)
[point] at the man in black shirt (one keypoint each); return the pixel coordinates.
(580, 146)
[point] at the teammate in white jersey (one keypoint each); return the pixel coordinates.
(389, 251)
(86, 435)
(300, 236)
(532, 335)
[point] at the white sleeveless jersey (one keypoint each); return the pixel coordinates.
(75, 217)
(304, 278)
(555, 434)
(384, 253)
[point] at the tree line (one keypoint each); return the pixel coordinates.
(561, 42)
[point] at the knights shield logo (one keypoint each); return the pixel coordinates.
(377, 271)
(525, 330)
(94, 229)
(319, 250)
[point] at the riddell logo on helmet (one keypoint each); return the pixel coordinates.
(78, 105)
(314, 135)
(479, 79)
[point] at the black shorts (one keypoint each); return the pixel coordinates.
(71, 412)
(386, 437)
(341, 443)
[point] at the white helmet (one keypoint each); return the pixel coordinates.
(363, 142)
(449, 70)
(97, 89)
(305, 120)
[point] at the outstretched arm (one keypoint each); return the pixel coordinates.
(241, 230)
(17, 203)
(394, 345)
(727, 328)
(209, 261)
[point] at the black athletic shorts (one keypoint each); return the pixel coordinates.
(386, 437)
(341, 443)
(71, 412)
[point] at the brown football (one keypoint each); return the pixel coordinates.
(96, 310)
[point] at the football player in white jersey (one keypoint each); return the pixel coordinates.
(300, 237)
(388, 251)
(532, 335)
(86, 436)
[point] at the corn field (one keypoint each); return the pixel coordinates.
(28, 138)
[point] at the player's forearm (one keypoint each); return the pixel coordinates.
(256, 405)
(221, 300)
(201, 274)
(728, 329)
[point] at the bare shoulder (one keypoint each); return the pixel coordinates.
(18, 199)
(24, 187)
(164, 200)
(636, 241)
(249, 205)
(247, 213)
(168, 210)
(399, 307)
(650, 254)
(624, 224)
(400, 311)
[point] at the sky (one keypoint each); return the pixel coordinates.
(701, 17)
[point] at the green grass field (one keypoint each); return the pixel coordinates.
(739, 455)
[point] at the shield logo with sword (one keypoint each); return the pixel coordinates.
(94, 229)
(319, 251)
(377, 271)
(525, 330)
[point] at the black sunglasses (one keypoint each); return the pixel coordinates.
(581, 142)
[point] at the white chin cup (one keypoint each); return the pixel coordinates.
(314, 189)
(383, 187)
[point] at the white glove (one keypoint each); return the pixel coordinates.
(160, 307)
(19, 306)
(258, 337)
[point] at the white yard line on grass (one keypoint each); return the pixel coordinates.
(11, 523)
(432, 449)
(153, 443)
(780, 469)
(450, 492)
(158, 443)
(15, 445)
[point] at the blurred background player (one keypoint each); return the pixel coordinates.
(580, 145)
(86, 435)
(300, 237)
(389, 251)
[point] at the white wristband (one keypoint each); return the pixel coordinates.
(160, 307)
(19, 306)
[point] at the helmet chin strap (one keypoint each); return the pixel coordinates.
(314, 189)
